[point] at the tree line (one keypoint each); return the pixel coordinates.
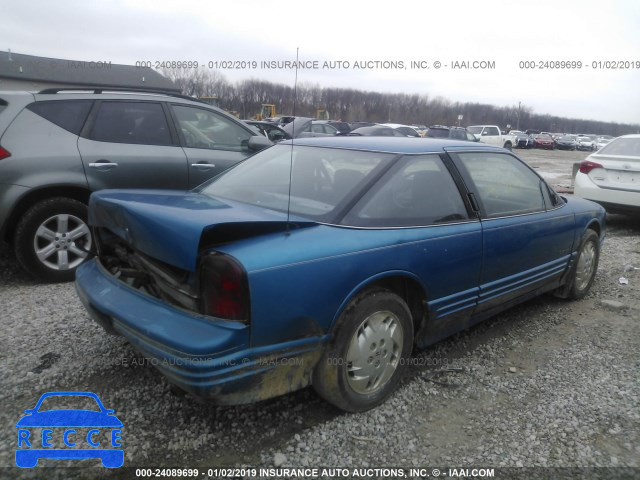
(348, 104)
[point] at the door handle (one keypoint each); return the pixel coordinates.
(203, 166)
(103, 164)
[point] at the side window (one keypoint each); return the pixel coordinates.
(330, 130)
(317, 128)
(202, 128)
(67, 114)
(504, 184)
(491, 131)
(420, 191)
(457, 134)
(131, 122)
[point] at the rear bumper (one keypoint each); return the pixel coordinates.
(209, 358)
(612, 200)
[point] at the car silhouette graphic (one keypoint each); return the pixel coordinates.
(31, 448)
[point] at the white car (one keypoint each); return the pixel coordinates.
(611, 176)
(602, 142)
(585, 143)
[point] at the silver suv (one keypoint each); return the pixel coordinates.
(59, 145)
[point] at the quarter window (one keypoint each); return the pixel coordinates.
(504, 184)
(69, 115)
(419, 192)
(202, 128)
(131, 122)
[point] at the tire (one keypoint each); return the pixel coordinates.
(508, 146)
(586, 265)
(52, 239)
(385, 319)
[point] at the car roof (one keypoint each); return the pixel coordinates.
(396, 125)
(389, 144)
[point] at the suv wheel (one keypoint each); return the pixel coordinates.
(52, 239)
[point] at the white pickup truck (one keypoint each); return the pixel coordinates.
(492, 135)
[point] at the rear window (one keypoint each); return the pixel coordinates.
(622, 146)
(67, 114)
(438, 133)
(321, 179)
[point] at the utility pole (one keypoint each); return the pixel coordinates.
(518, 119)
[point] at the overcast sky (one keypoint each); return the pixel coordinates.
(506, 33)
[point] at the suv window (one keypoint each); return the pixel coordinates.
(418, 192)
(68, 114)
(131, 122)
(202, 128)
(504, 184)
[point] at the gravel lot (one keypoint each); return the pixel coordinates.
(550, 383)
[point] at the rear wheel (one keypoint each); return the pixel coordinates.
(586, 266)
(366, 358)
(52, 239)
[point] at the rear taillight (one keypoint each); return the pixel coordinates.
(4, 153)
(586, 166)
(225, 289)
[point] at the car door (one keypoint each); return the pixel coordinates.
(128, 144)
(211, 142)
(420, 203)
(527, 233)
(491, 135)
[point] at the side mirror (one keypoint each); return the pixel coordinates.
(258, 142)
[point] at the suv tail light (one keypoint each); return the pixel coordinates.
(586, 166)
(4, 153)
(225, 289)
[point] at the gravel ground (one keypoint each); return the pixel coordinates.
(550, 383)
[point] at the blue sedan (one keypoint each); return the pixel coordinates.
(323, 261)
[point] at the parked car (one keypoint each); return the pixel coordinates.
(56, 147)
(611, 176)
(522, 140)
(272, 131)
(342, 127)
(377, 131)
(404, 129)
(602, 142)
(568, 142)
(323, 261)
(359, 124)
(492, 135)
(455, 133)
(544, 140)
(585, 143)
(303, 127)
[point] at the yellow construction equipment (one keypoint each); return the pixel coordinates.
(322, 114)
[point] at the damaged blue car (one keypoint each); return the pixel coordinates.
(325, 261)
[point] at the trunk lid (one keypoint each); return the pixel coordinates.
(620, 172)
(174, 226)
